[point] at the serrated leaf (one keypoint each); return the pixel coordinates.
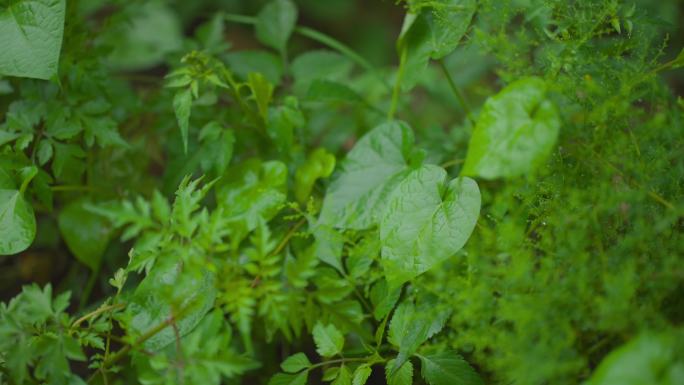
(31, 37)
(447, 368)
(679, 60)
(85, 233)
(289, 379)
(182, 103)
(343, 377)
(361, 374)
(275, 23)
(427, 219)
(401, 376)
(329, 341)
(295, 363)
(356, 198)
(17, 220)
(515, 132)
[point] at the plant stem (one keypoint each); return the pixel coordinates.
(97, 312)
(456, 91)
(337, 361)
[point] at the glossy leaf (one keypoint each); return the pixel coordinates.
(295, 363)
(356, 198)
(17, 220)
(85, 233)
(31, 37)
(275, 23)
(427, 219)
(447, 368)
(515, 132)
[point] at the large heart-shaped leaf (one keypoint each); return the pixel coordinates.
(378, 161)
(85, 233)
(427, 220)
(17, 220)
(515, 132)
(31, 37)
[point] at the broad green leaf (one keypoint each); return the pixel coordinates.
(344, 377)
(322, 90)
(427, 219)
(357, 197)
(152, 32)
(361, 374)
(85, 233)
(289, 379)
(182, 103)
(17, 220)
(401, 376)
(319, 164)
(447, 368)
(262, 92)
(432, 34)
(275, 23)
(650, 358)
(295, 363)
(328, 245)
(166, 290)
(319, 65)
(31, 37)
(329, 341)
(217, 145)
(448, 21)
(263, 62)
(515, 132)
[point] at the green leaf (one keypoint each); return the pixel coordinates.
(357, 197)
(319, 164)
(427, 220)
(295, 363)
(166, 289)
(401, 376)
(515, 132)
(275, 23)
(343, 377)
(182, 102)
(319, 65)
(448, 22)
(408, 330)
(85, 233)
(679, 60)
(361, 374)
(447, 368)
(649, 358)
(289, 379)
(31, 37)
(263, 62)
(329, 341)
(17, 220)
(322, 90)
(282, 122)
(262, 92)
(383, 299)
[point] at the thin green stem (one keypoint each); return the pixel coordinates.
(90, 285)
(338, 361)
(97, 312)
(456, 91)
(452, 162)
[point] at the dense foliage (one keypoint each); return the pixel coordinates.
(213, 192)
